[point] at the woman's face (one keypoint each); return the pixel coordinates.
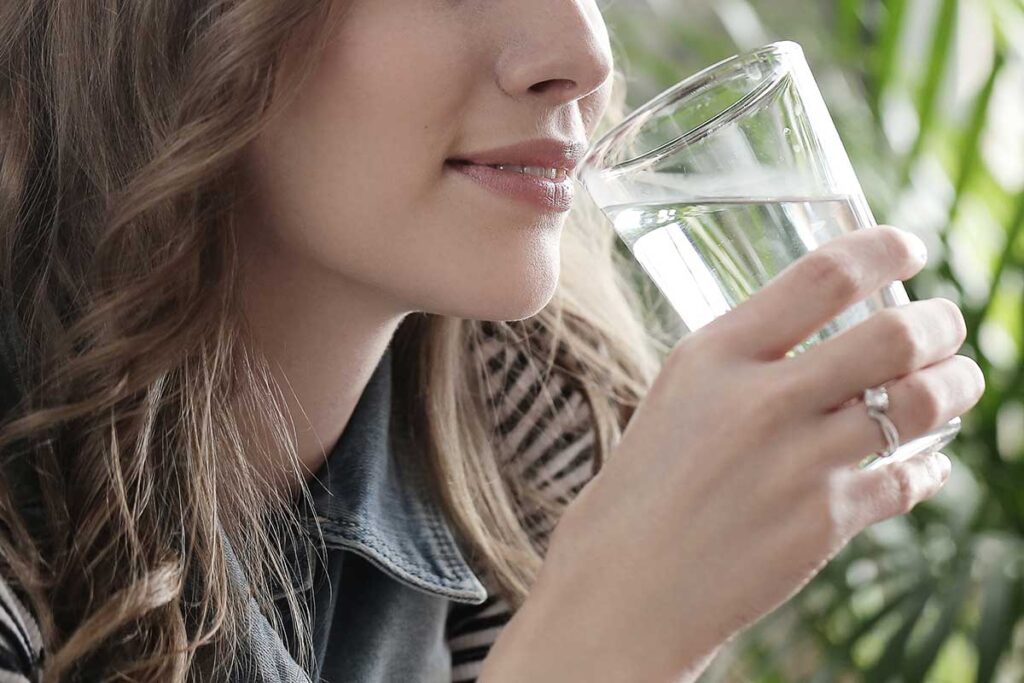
(355, 179)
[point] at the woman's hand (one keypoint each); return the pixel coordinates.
(736, 479)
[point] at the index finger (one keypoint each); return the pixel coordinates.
(818, 286)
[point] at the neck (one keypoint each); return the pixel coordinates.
(323, 336)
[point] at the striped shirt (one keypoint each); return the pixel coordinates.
(21, 647)
(544, 431)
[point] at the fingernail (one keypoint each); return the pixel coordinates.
(919, 248)
(944, 465)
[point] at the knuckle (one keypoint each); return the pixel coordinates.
(708, 339)
(927, 401)
(676, 363)
(696, 345)
(902, 337)
(833, 518)
(787, 389)
(904, 491)
(829, 523)
(833, 273)
(681, 348)
(691, 354)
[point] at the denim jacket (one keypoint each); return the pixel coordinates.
(402, 565)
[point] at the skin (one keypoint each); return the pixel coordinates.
(353, 222)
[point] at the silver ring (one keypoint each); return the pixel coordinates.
(876, 399)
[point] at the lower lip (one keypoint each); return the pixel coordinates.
(542, 193)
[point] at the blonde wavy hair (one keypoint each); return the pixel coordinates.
(120, 127)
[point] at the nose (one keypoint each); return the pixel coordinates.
(558, 51)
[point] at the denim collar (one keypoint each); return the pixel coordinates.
(371, 496)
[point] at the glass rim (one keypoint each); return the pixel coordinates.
(683, 88)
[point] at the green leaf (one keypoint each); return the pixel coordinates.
(970, 145)
(922, 659)
(970, 152)
(889, 663)
(896, 602)
(927, 97)
(1000, 599)
(848, 26)
(884, 66)
(1013, 232)
(828, 673)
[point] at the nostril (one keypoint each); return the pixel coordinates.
(555, 84)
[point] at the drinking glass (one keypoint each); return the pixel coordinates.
(718, 183)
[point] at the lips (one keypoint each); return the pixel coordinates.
(544, 152)
(539, 192)
(538, 172)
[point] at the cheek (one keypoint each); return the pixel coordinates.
(436, 252)
(366, 131)
(350, 178)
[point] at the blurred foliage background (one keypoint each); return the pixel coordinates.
(928, 96)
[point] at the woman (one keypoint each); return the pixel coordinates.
(299, 388)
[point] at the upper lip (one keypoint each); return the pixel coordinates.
(543, 152)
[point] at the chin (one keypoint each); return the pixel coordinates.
(523, 298)
(516, 311)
